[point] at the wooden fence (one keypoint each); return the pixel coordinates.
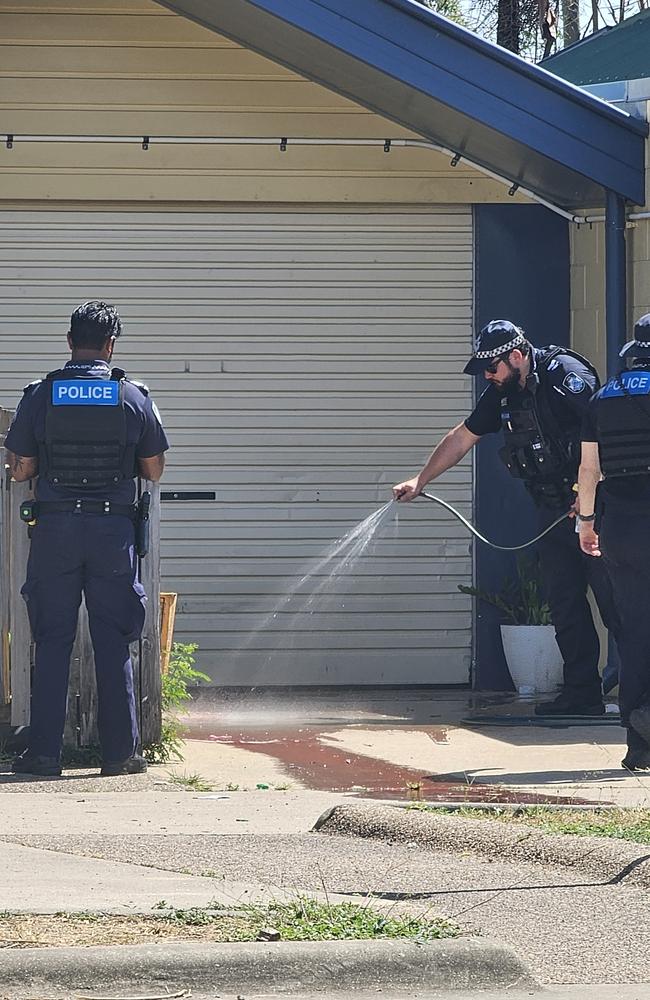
(16, 648)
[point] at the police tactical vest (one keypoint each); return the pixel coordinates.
(623, 424)
(537, 449)
(85, 445)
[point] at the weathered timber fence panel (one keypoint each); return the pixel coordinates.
(81, 719)
(20, 643)
(16, 645)
(146, 662)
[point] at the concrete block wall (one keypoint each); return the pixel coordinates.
(588, 292)
(588, 278)
(588, 285)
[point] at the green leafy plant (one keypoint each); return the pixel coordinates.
(175, 695)
(520, 601)
(193, 782)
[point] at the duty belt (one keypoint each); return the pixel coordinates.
(85, 506)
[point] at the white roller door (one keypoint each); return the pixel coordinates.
(303, 362)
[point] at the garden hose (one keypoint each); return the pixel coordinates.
(482, 538)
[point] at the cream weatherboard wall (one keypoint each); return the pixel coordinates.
(301, 318)
(130, 67)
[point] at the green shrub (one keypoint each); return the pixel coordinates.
(174, 697)
(520, 601)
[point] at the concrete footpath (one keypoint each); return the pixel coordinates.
(122, 845)
(126, 851)
(380, 742)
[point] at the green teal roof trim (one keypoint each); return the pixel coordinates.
(620, 52)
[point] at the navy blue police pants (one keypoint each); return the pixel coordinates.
(625, 544)
(94, 554)
(568, 573)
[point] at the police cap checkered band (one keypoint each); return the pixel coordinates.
(496, 338)
(503, 349)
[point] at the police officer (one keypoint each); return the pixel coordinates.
(537, 397)
(616, 445)
(86, 431)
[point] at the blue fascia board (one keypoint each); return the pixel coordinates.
(416, 67)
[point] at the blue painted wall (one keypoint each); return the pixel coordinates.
(522, 274)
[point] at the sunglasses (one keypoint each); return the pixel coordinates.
(492, 367)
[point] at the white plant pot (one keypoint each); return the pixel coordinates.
(533, 658)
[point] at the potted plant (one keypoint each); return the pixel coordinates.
(527, 633)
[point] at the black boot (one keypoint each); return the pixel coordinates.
(132, 765)
(637, 760)
(568, 704)
(33, 763)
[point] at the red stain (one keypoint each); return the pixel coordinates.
(325, 767)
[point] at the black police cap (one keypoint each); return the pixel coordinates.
(495, 339)
(640, 346)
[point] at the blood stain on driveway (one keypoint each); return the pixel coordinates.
(322, 766)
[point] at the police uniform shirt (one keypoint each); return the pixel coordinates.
(631, 488)
(566, 386)
(143, 428)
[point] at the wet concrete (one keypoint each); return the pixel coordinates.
(297, 729)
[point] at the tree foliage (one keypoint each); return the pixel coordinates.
(536, 28)
(450, 8)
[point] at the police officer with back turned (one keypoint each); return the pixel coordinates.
(537, 397)
(613, 520)
(87, 431)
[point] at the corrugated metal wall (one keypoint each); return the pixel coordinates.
(303, 362)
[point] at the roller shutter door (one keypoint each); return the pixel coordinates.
(303, 362)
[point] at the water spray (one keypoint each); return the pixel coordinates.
(482, 538)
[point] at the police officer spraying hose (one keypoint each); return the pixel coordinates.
(537, 397)
(613, 521)
(87, 432)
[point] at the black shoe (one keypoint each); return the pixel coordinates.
(637, 760)
(640, 722)
(566, 705)
(33, 763)
(132, 765)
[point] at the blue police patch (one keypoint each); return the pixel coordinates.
(79, 392)
(627, 384)
(573, 382)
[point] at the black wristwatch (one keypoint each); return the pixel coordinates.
(586, 517)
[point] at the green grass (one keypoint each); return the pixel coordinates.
(620, 824)
(192, 782)
(307, 919)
